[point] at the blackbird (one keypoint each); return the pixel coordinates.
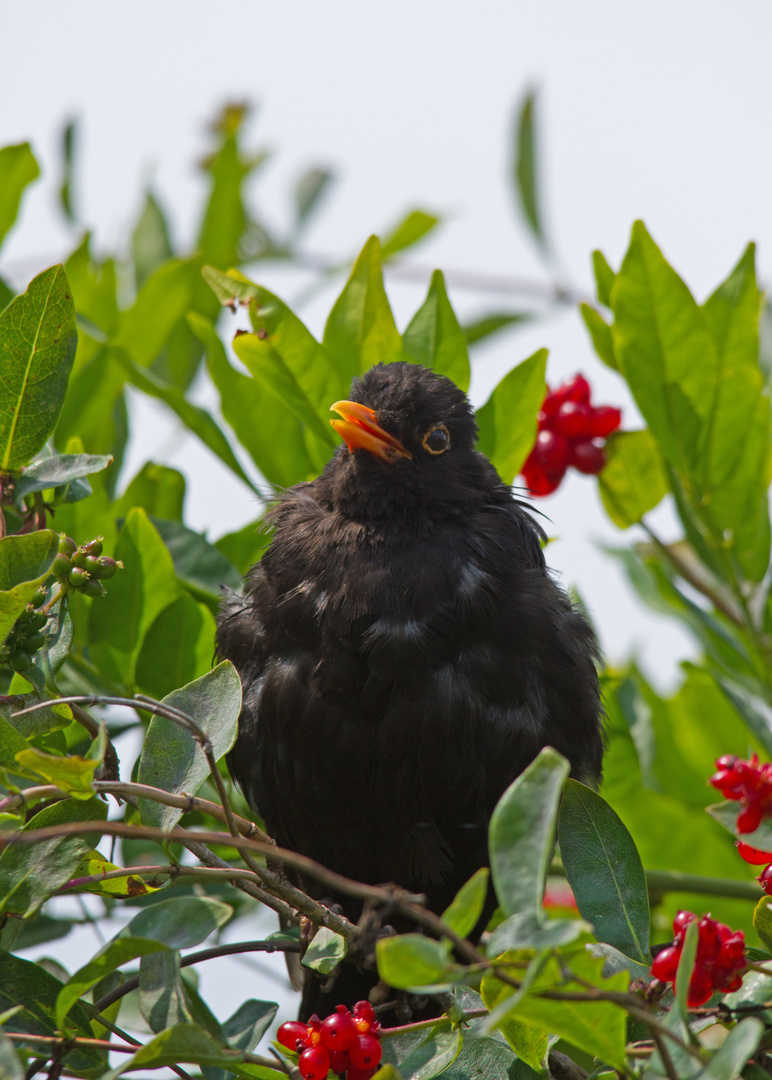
(404, 652)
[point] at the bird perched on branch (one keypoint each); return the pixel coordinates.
(403, 650)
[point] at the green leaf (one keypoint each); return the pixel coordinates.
(183, 1043)
(529, 930)
(94, 287)
(73, 774)
(171, 758)
(93, 862)
(604, 870)
(40, 722)
(325, 951)
(37, 348)
(435, 339)
(168, 924)
(413, 961)
(468, 903)
(491, 324)
(144, 328)
(309, 193)
(737, 1048)
(31, 873)
(244, 547)
(600, 333)
(58, 470)
(69, 139)
(507, 420)
(360, 330)
(137, 595)
(664, 350)
(525, 168)
(150, 244)
(195, 418)
(177, 648)
(243, 1031)
(725, 814)
(197, 563)
(604, 277)
(271, 434)
(412, 228)
(11, 1067)
(18, 168)
(633, 480)
(522, 833)
(685, 969)
(161, 997)
(762, 924)
(25, 983)
(159, 490)
(25, 563)
(433, 1054)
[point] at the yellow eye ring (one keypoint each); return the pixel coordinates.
(441, 443)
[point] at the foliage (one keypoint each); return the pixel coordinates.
(87, 666)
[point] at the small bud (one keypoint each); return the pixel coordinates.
(77, 577)
(66, 545)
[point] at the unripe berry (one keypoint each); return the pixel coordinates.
(61, 566)
(93, 588)
(33, 642)
(292, 1033)
(94, 547)
(314, 1063)
(37, 620)
(77, 577)
(79, 558)
(338, 1030)
(19, 660)
(106, 568)
(66, 545)
(366, 1052)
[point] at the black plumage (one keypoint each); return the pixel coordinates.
(403, 649)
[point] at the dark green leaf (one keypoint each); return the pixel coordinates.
(177, 648)
(31, 873)
(183, 1043)
(25, 563)
(18, 168)
(491, 324)
(604, 870)
(150, 244)
(435, 339)
(37, 348)
(161, 997)
(522, 833)
(197, 563)
(325, 951)
(171, 758)
(604, 277)
(600, 332)
(25, 983)
(738, 1047)
(412, 960)
(435, 1051)
(69, 140)
(159, 490)
(525, 170)
(507, 420)
(58, 470)
(633, 480)
(360, 330)
(309, 192)
(11, 1067)
(412, 228)
(529, 930)
(468, 903)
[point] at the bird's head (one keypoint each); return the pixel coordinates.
(409, 436)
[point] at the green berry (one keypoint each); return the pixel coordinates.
(107, 568)
(25, 616)
(77, 577)
(94, 547)
(19, 660)
(61, 566)
(66, 546)
(37, 621)
(34, 642)
(93, 588)
(39, 598)
(79, 558)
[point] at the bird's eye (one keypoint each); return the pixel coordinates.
(437, 439)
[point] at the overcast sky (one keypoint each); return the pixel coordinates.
(658, 110)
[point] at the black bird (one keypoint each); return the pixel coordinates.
(404, 651)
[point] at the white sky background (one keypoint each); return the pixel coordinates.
(658, 110)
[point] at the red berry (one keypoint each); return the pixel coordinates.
(314, 1063)
(291, 1033)
(753, 855)
(364, 1010)
(681, 921)
(665, 964)
(749, 818)
(726, 761)
(366, 1052)
(353, 1073)
(338, 1030)
(587, 457)
(573, 420)
(536, 480)
(339, 1061)
(603, 420)
(709, 942)
(576, 389)
(765, 880)
(551, 453)
(700, 989)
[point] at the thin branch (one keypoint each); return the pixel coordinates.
(172, 870)
(664, 1053)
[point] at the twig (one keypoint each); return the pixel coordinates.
(664, 1053)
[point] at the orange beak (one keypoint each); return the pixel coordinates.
(359, 431)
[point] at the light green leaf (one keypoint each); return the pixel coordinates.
(325, 951)
(507, 420)
(144, 328)
(412, 961)
(25, 564)
(604, 277)
(18, 168)
(58, 470)
(525, 176)
(491, 324)
(412, 228)
(177, 648)
(159, 490)
(37, 348)
(243, 1031)
(73, 774)
(737, 1048)
(150, 244)
(172, 759)
(181, 1044)
(161, 997)
(762, 924)
(435, 339)
(360, 330)
(35, 724)
(522, 833)
(604, 870)
(529, 930)
(309, 193)
(468, 903)
(93, 862)
(633, 480)
(600, 333)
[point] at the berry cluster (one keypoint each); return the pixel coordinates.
(747, 782)
(26, 636)
(571, 432)
(344, 1043)
(720, 958)
(84, 567)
